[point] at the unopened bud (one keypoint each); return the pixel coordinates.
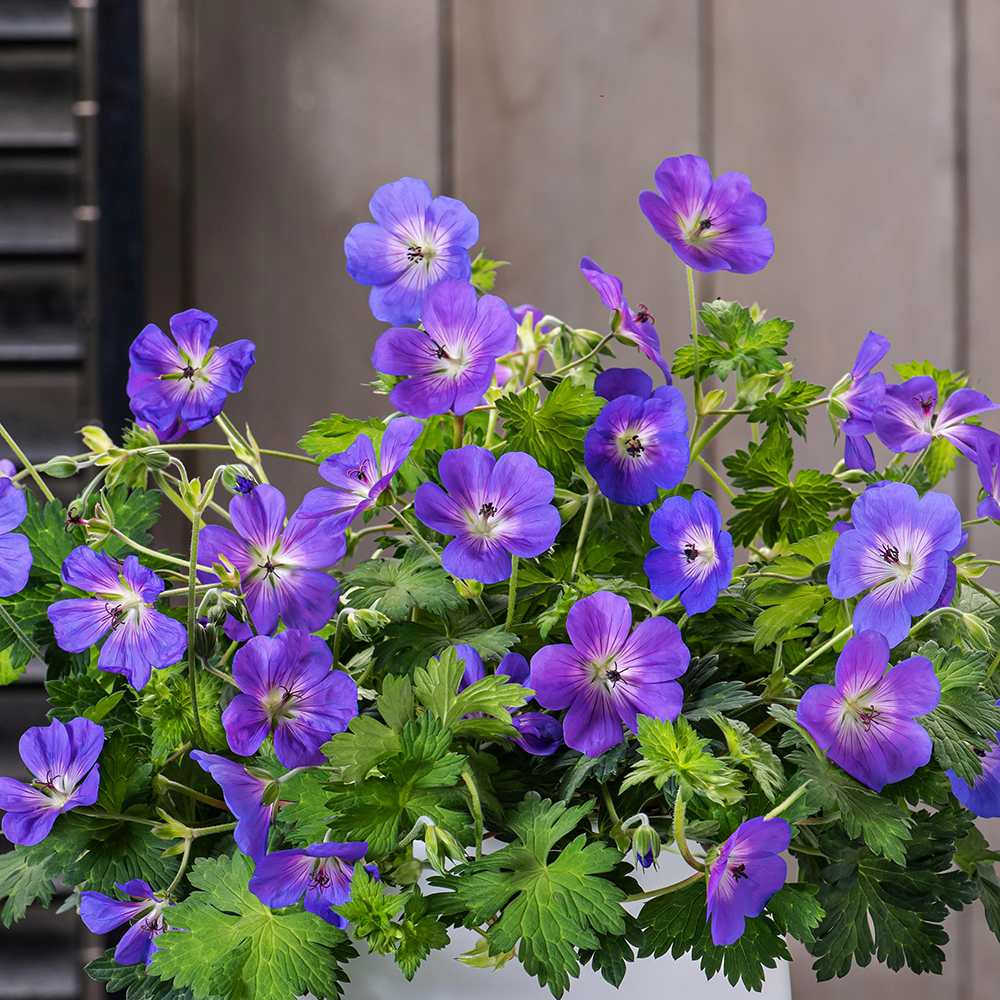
(366, 623)
(170, 828)
(155, 459)
(205, 640)
(238, 479)
(96, 439)
(60, 467)
(978, 629)
(646, 844)
(837, 409)
(228, 574)
(441, 846)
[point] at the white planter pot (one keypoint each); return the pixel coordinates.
(442, 977)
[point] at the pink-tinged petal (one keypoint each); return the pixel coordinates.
(215, 541)
(281, 878)
(427, 395)
(312, 543)
(102, 914)
(373, 256)
(862, 664)
(264, 604)
(404, 351)
(744, 250)
(243, 794)
(92, 571)
(401, 205)
(732, 203)
(141, 579)
(193, 331)
(530, 531)
(308, 598)
(438, 510)
(246, 724)
(13, 506)
(15, 564)
(592, 725)
(339, 506)
(685, 183)
(662, 218)
(819, 713)
(912, 686)
(902, 417)
(659, 699)
(608, 286)
(355, 468)
(79, 623)
(162, 639)
(558, 675)
(466, 473)
(397, 441)
(599, 625)
(855, 565)
(28, 828)
(471, 557)
(259, 516)
(965, 437)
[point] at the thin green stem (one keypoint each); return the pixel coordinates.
(22, 637)
(820, 650)
(699, 445)
(975, 585)
(191, 793)
(26, 463)
(415, 532)
(976, 520)
(477, 808)
(916, 465)
(206, 831)
(457, 429)
(121, 817)
(609, 804)
(221, 674)
(640, 897)
(181, 868)
(583, 358)
(153, 554)
(338, 636)
(679, 838)
(788, 802)
(385, 529)
(192, 614)
(177, 591)
(722, 484)
(693, 309)
(588, 513)
(511, 594)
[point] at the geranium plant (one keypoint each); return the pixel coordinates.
(521, 638)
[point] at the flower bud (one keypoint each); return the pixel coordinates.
(469, 589)
(96, 439)
(170, 828)
(978, 629)
(205, 640)
(271, 793)
(98, 526)
(238, 479)
(713, 400)
(155, 459)
(441, 846)
(135, 436)
(646, 844)
(366, 623)
(60, 467)
(228, 574)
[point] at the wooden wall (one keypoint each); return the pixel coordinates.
(872, 127)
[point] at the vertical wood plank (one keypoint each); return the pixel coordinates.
(302, 110)
(563, 110)
(842, 115)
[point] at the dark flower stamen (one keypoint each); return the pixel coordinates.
(634, 446)
(320, 879)
(704, 224)
(487, 510)
(890, 554)
(188, 372)
(440, 352)
(614, 676)
(643, 315)
(739, 871)
(268, 567)
(116, 614)
(867, 717)
(690, 552)
(414, 253)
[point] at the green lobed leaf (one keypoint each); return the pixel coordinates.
(134, 982)
(484, 273)
(222, 942)
(397, 586)
(26, 875)
(336, 433)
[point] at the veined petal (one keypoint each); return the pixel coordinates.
(599, 625)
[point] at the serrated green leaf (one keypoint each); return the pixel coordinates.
(26, 875)
(788, 406)
(552, 429)
(754, 754)
(336, 433)
(397, 586)
(673, 750)
(134, 982)
(796, 607)
(49, 537)
(133, 513)
(223, 942)
(484, 273)
(797, 911)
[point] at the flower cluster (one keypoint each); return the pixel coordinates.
(526, 630)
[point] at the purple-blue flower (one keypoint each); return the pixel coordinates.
(320, 875)
(693, 557)
(860, 391)
(866, 721)
(636, 446)
(637, 326)
(358, 477)
(609, 674)
(15, 553)
(711, 225)
(102, 914)
(747, 872)
(906, 418)
(415, 242)
(898, 549)
(449, 364)
(180, 383)
(472, 664)
(288, 690)
(7, 468)
(537, 733)
(244, 794)
(988, 467)
(140, 638)
(983, 796)
(494, 508)
(63, 760)
(280, 565)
